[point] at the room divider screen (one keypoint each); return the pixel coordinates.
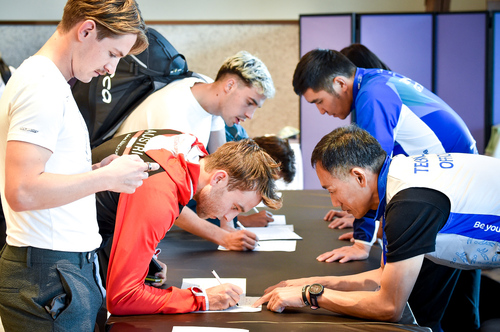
(445, 52)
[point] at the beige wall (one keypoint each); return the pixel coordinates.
(207, 45)
(42, 10)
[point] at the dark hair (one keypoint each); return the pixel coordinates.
(317, 69)
(281, 151)
(347, 147)
(362, 57)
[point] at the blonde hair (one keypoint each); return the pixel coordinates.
(112, 17)
(249, 168)
(251, 70)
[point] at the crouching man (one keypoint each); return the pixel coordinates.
(232, 180)
(444, 208)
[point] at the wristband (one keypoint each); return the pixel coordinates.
(304, 296)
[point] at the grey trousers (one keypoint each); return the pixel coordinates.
(46, 290)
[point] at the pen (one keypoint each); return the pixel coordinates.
(255, 209)
(216, 276)
(218, 279)
(240, 225)
(243, 228)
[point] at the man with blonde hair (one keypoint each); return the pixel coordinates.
(47, 270)
(201, 106)
(233, 179)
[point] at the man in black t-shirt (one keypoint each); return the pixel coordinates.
(443, 207)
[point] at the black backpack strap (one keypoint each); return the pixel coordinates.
(4, 71)
(148, 71)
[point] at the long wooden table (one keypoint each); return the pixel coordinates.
(188, 256)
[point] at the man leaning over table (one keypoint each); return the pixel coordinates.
(200, 106)
(233, 179)
(444, 207)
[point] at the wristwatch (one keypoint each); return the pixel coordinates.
(314, 291)
(304, 296)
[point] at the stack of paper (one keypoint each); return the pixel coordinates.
(278, 236)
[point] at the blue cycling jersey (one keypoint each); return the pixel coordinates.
(405, 118)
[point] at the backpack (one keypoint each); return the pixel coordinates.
(107, 100)
(4, 71)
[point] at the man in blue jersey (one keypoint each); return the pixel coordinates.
(401, 114)
(441, 206)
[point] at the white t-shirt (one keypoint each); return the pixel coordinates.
(174, 107)
(38, 107)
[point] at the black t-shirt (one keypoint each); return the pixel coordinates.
(413, 217)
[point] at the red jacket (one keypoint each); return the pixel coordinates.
(142, 220)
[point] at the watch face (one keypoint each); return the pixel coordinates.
(316, 289)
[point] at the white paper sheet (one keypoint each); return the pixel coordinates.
(273, 245)
(245, 303)
(279, 220)
(274, 233)
(211, 282)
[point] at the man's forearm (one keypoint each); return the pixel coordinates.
(189, 221)
(365, 281)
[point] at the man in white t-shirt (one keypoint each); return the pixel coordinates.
(176, 107)
(202, 107)
(47, 272)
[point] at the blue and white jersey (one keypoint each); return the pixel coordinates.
(405, 117)
(470, 238)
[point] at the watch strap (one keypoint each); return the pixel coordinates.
(304, 296)
(313, 297)
(314, 301)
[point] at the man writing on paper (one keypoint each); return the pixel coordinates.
(233, 179)
(444, 207)
(201, 106)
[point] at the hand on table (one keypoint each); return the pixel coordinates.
(349, 236)
(291, 283)
(358, 251)
(223, 296)
(339, 219)
(259, 219)
(239, 240)
(281, 297)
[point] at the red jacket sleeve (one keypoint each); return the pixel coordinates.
(142, 220)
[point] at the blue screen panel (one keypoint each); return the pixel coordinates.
(331, 32)
(402, 41)
(461, 68)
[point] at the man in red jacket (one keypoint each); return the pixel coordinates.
(232, 180)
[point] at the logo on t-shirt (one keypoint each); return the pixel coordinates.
(31, 130)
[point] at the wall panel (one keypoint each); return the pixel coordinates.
(461, 68)
(330, 32)
(402, 41)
